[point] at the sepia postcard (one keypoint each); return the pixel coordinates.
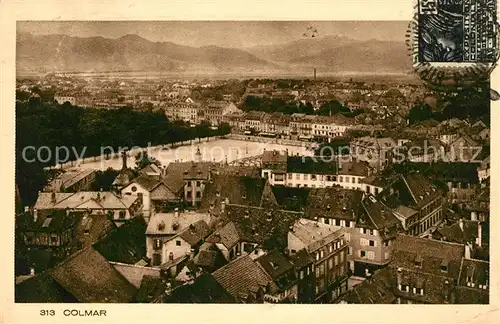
(326, 161)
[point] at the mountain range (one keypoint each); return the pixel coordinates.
(64, 53)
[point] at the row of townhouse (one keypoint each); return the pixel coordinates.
(194, 112)
(295, 126)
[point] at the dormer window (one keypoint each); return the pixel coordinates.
(418, 261)
(444, 265)
(469, 277)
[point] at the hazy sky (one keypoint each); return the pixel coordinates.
(221, 33)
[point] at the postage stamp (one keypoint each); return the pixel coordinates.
(462, 31)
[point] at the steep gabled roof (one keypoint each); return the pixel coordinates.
(334, 202)
(42, 288)
(243, 276)
(126, 244)
(378, 215)
(195, 233)
(376, 290)
(89, 277)
(238, 190)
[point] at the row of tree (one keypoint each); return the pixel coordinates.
(43, 127)
(270, 105)
(470, 102)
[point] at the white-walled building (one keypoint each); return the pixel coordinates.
(313, 172)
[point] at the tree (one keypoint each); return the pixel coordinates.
(104, 179)
(142, 160)
(420, 112)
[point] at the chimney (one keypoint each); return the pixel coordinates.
(468, 251)
(446, 290)
(479, 234)
(124, 160)
(168, 289)
(399, 276)
(461, 224)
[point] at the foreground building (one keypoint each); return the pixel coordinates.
(313, 172)
(327, 245)
(425, 271)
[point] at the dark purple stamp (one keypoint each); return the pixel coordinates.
(462, 31)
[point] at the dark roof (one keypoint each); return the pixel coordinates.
(334, 203)
(357, 168)
(310, 165)
(291, 198)
(238, 170)
(52, 221)
(147, 182)
(378, 289)
(376, 180)
(432, 254)
(453, 233)
(377, 214)
(42, 288)
(238, 190)
(413, 190)
(152, 288)
(177, 171)
(274, 157)
(227, 235)
(448, 171)
(437, 288)
(279, 268)
(89, 277)
(91, 228)
(301, 259)
(206, 258)
(274, 160)
(261, 225)
(204, 289)
(465, 295)
(195, 233)
(478, 272)
(243, 276)
(126, 244)
(275, 264)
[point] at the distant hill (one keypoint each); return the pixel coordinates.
(134, 53)
(129, 53)
(337, 54)
(367, 56)
(300, 48)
